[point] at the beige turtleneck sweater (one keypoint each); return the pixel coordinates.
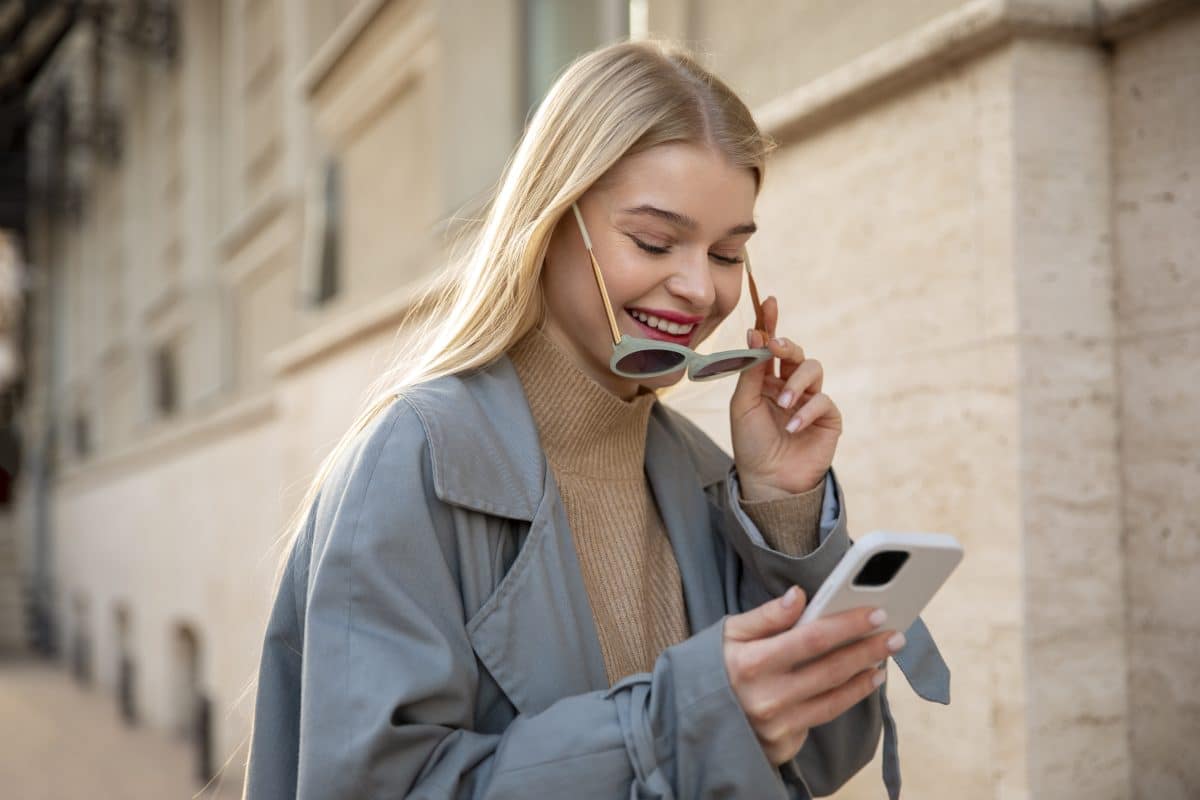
(595, 445)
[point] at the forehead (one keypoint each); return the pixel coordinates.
(688, 179)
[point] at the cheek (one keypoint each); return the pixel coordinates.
(729, 291)
(625, 283)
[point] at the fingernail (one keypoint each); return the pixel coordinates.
(896, 642)
(777, 342)
(789, 598)
(786, 398)
(793, 424)
(877, 679)
(749, 337)
(878, 617)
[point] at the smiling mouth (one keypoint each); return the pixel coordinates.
(653, 332)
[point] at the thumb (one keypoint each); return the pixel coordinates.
(750, 382)
(772, 617)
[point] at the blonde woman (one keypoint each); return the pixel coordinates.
(521, 574)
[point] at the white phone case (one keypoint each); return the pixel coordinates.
(931, 557)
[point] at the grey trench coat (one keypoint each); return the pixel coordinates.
(432, 636)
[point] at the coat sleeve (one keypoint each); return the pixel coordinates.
(756, 572)
(378, 700)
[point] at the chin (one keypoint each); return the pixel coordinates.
(663, 381)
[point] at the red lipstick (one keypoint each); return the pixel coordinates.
(648, 332)
(669, 316)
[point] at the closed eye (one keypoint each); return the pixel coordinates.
(656, 250)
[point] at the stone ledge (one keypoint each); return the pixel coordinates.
(258, 216)
(349, 328)
(339, 43)
(177, 435)
(969, 31)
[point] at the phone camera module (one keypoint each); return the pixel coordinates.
(882, 567)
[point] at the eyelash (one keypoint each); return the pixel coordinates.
(649, 248)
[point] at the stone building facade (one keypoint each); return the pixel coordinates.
(982, 219)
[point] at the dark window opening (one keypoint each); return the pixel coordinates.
(327, 283)
(166, 395)
(82, 435)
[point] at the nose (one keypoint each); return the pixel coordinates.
(693, 283)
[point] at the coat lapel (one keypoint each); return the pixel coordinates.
(535, 634)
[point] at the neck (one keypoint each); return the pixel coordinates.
(584, 428)
(624, 388)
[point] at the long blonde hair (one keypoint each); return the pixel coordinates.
(615, 101)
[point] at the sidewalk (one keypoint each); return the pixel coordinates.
(61, 741)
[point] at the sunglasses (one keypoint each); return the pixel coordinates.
(637, 357)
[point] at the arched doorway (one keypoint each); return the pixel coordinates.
(192, 715)
(81, 640)
(126, 674)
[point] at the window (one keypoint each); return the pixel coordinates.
(556, 32)
(322, 230)
(81, 434)
(166, 390)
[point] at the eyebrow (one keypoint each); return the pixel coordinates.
(684, 221)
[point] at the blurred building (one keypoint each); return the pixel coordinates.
(12, 628)
(982, 220)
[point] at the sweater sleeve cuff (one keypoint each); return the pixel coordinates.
(789, 524)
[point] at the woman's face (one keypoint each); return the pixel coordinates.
(684, 200)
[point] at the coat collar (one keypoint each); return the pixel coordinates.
(496, 467)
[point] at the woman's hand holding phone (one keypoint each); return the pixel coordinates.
(789, 678)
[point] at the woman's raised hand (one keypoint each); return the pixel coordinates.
(784, 429)
(790, 678)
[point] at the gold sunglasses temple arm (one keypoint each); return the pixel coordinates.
(758, 312)
(612, 320)
(587, 242)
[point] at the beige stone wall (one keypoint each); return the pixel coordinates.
(1156, 144)
(885, 240)
(1070, 487)
(957, 239)
(770, 47)
(181, 534)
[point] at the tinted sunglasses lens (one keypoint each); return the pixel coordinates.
(735, 364)
(646, 362)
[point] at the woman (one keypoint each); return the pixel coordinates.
(520, 574)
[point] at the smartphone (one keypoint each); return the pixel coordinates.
(898, 572)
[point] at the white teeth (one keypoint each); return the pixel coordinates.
(673, 328)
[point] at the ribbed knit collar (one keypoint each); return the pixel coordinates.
(585, 429)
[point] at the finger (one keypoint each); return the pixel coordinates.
(807, 377)
(790, 355)
(780, 704)
(773, 384)
(811, 640)
(840, 665)
(768, 619)
(772, 387)
(748, 392)
(832, 704)
(820, 405)
(788, 365)
(785, 748)
(770, 309)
